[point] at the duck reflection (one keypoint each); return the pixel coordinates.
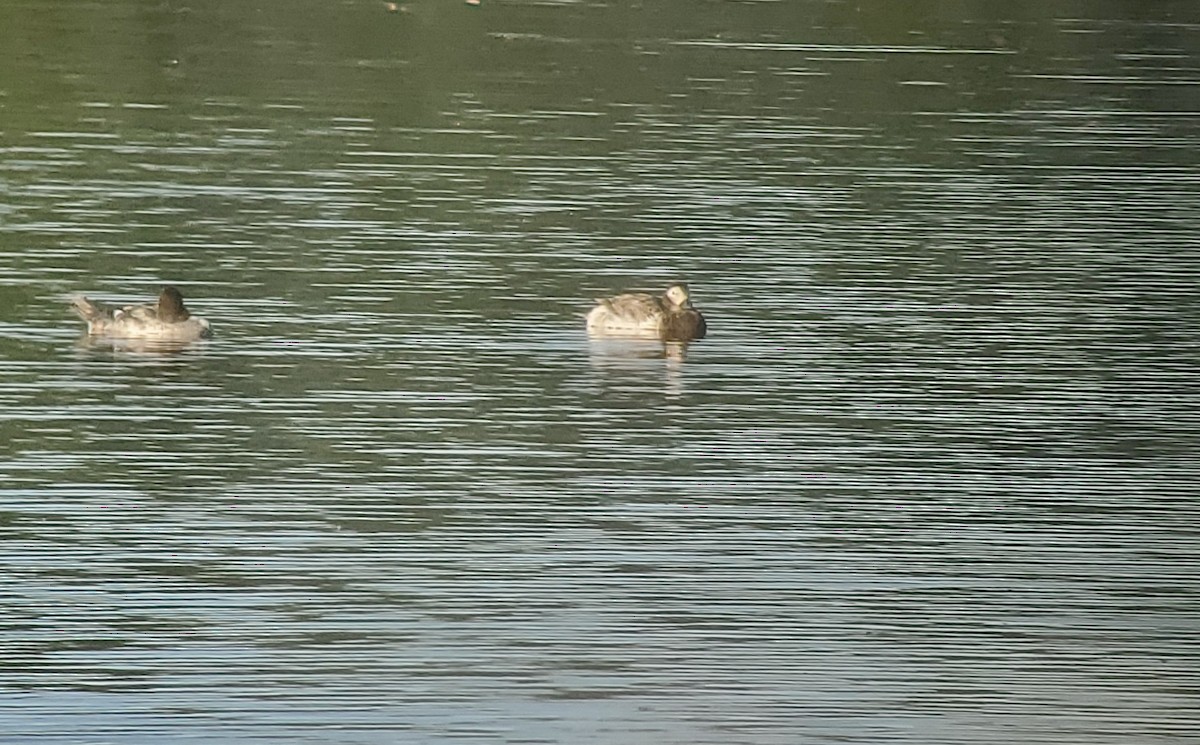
(136, 347)
(618, 352)
(636, 358)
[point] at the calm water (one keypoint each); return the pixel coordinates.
(931, 479)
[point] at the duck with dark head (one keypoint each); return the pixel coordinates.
(670, 316)
(167, 320)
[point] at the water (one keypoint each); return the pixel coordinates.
(930, 479)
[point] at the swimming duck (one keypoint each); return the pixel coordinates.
(169, 320)
(670, 317)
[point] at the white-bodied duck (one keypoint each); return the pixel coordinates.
(168, 320)
(670, 317)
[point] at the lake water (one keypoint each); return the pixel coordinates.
(930, 479)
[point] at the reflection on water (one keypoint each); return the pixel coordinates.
(116, 346)
(614, 351)
(657, 360)
(927, 480)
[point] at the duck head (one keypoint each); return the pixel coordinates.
(170, 306)
(677, 296)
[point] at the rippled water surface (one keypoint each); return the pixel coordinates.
(930, 479)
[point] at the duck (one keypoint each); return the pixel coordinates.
(166, 320)
(670, 316)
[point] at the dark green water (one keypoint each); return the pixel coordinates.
(930, 479)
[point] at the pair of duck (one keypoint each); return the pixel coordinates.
(670, 317)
